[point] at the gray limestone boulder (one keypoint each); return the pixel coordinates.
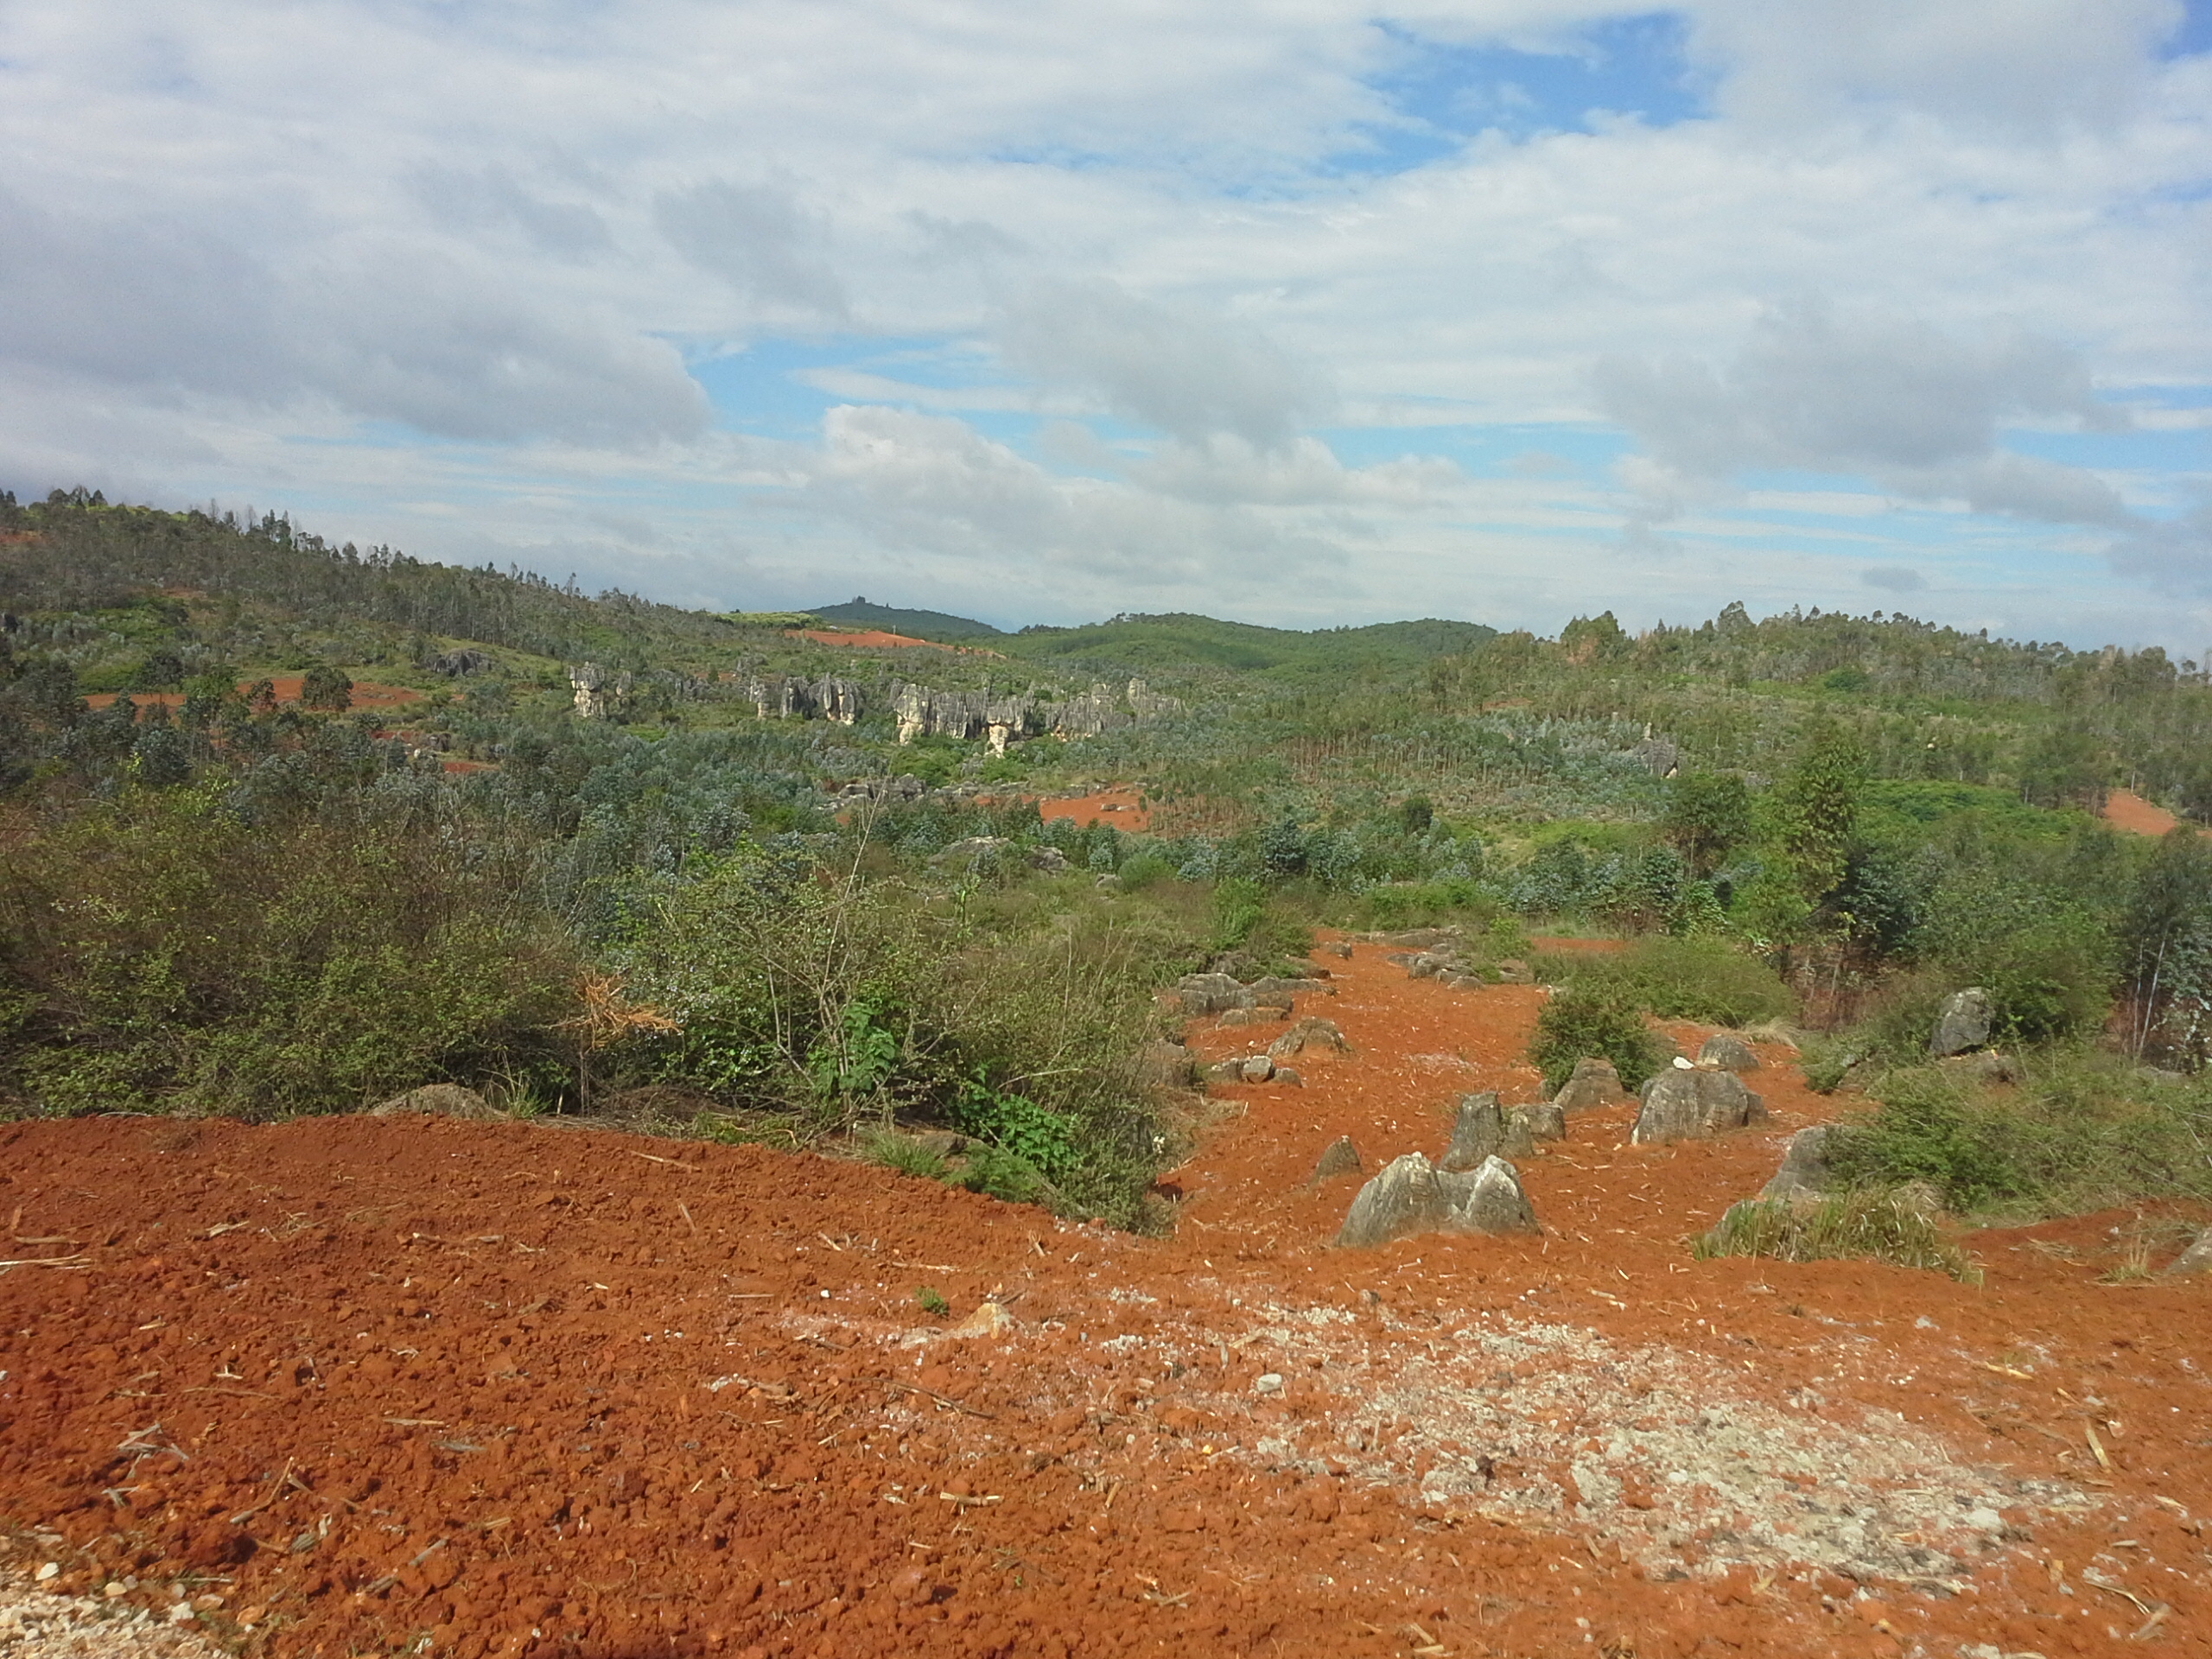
(1728, 1052)
(1512, 971)
(1483, 1129)
(1804, 1170)
(1340, 949)
(1307, 1033)
(437, 1100)
(1545, 1121)
(1687, 1103)
(1257, 1068)
(2197, 1258)
(1274, 987)
(1340, 1158)
(1209, 992)
(1595, 1082)
(1410, 1197)
(1963, 1023)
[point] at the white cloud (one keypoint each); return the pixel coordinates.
(1886, 398)
(1179, 367)
(357, 256)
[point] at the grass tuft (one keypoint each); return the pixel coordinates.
(1852, 1226)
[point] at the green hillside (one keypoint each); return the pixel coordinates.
(233, 885)
(916, 625)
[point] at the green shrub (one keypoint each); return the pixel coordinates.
(2080, 1132)
(828, 999)
(161, 955)
(1706, 979)
(1592, 1022)
(1853, 1226)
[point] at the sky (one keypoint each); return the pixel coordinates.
(1294, 311)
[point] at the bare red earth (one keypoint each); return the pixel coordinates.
(877, 640)
(512, 1389)
(366, 693)
(1124, 808)
(2125, 810)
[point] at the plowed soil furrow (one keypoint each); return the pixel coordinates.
(514, 1390)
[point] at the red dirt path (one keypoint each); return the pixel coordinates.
(523, 1390)
(2125, 810)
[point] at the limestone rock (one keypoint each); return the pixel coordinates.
(1274, 986)
(1595, 1082)
(1483, 1130)
(437, 1100)
(1411, 1197)
(1418, 938)
(2197, 1258)
(1728, 1052)
(461, 663)
(1289, 1076)
(1963, 1024)
(1339, 948)
(1339, 1158)
(1478, 1131)
(1546, 1121)
(1109, 882)
(1257, 1069)
(1307, 1033)
(1686, 1104)
(1804, 1166)
(1209, 992)
(1512, 971)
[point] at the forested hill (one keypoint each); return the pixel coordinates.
(75, 553)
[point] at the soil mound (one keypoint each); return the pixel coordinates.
(440, 1386)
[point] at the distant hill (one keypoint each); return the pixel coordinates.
(1156, 643)
(917, 624)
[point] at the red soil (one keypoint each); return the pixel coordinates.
(366, 693)
(877, 640)
(1124, 808)
(2125, 810)
(518, 1390)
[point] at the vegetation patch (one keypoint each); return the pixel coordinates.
(1874, 1226)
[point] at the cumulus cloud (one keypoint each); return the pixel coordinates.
(2016, 66)
(758, 239)
(392, 333)
(1893, 578)
(475, 201)
(932, 481)
(1172, 366)
(1888, 397)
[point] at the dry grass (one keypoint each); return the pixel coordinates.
(1853, 1226)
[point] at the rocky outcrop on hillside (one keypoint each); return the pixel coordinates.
(774, 697)
(999, 719)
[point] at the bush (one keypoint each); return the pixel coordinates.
(1705, 979)
(830, 1000)
(2081, 1132)
(1853, 1226)
(1592, 1022)
(161, 955)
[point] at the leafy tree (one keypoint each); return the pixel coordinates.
(1815, 808)
(1416, 814)
(1708, 816)
(325, 688)
(2166, 948)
